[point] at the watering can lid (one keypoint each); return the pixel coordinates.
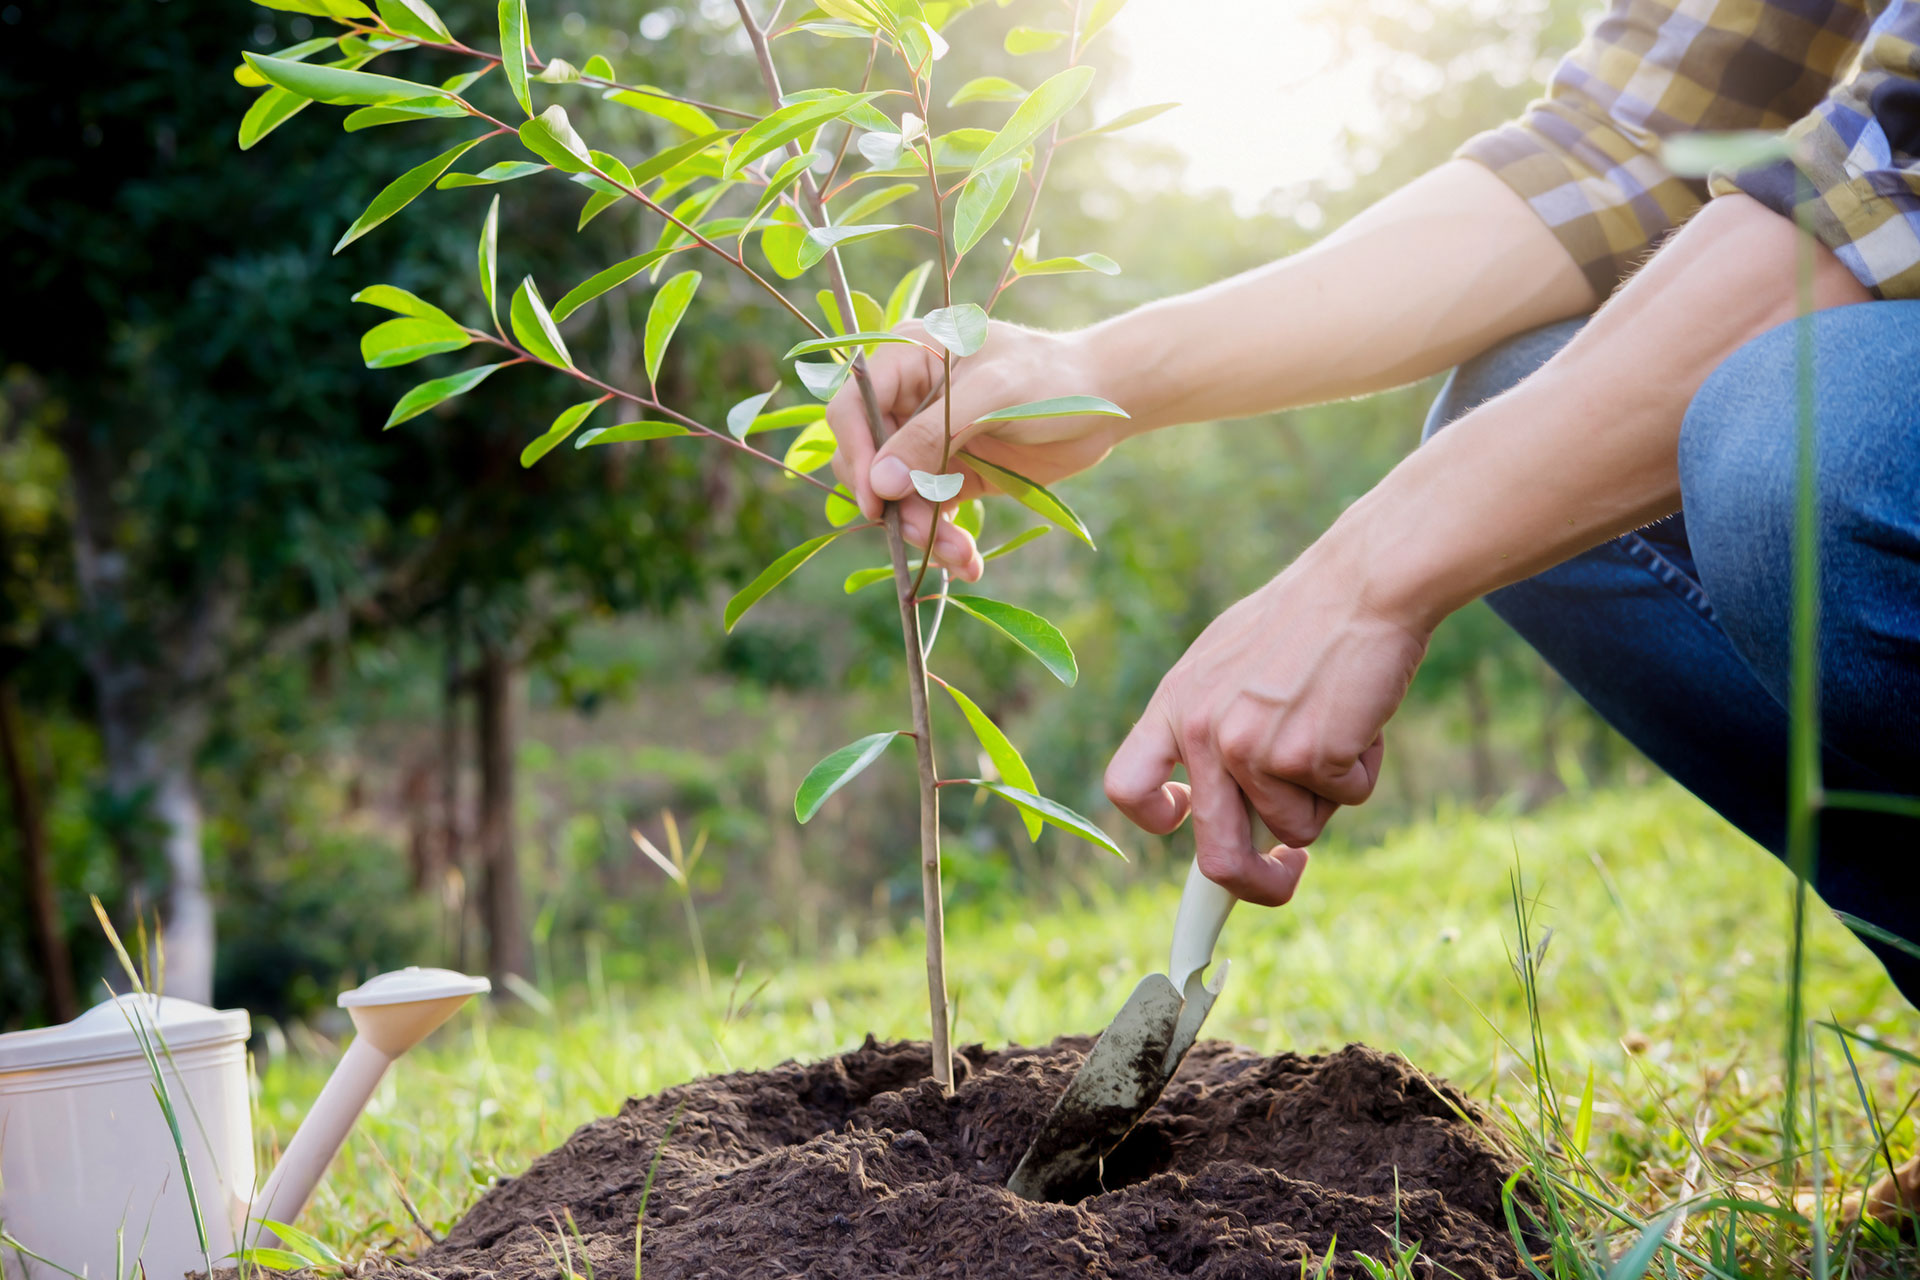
(413, 984)
(106, 1032)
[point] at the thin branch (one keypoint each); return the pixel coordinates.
(1039, 173)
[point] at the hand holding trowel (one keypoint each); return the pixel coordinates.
(1139, 1051)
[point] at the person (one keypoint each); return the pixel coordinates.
(1612, 463)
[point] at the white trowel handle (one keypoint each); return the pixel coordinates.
(1204, 906)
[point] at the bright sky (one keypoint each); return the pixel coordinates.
(1263, 102)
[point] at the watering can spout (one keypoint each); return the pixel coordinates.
(391, 1014)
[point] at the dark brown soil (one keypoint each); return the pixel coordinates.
(857, 1167)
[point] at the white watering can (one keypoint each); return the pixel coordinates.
(89, 1173)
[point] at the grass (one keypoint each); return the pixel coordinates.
(1647, 992)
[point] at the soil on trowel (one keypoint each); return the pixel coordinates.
(855, 1166)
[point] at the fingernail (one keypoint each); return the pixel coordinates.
(889, 478)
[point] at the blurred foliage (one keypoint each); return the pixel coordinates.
(192, 329)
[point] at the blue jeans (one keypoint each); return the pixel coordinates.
(1679, 634)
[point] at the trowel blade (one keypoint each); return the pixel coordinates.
(1120, 1080)
(1199, 1003)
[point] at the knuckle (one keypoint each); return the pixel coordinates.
(1218, 865)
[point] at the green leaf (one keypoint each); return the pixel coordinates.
(836, 771)
(1031, 495)
(489, 258)
(1025, 628)
(306, 1244)
(1127, 119)
(822, 380)
(961, 329)
(813, 346)
(741, 417)
(337, 85)
(1051, 812)
(905, 298)
(864, 114)
(1016, 542)
(1056, 407)
(811, 449)
(626, 432)
(246, 75)
(781, 243)
(874, 201)
(937, 488)
(653, 102)
(428, 394)
(987, 89)
(982, 201)
(269, 111)
(867, 313)
(970, 515)
(784, 177)
(798, 415)
(559, 71)
(598, 68)
(772, 576)
(465, 80)
(663, 317)
(513, 50)
(402, 341)
(1000, 749)
(861, 579)
(675, 156)
(399, 193)
(1045, 105)
(1023, 40)
(278, 1259)
(320, 8)
(1634, 1263)
(1583, 1118)
(597, 203)
(400, 302)
(550, 136)
(563, 426)
(834, 30)
(401, 113)
(787, 124)
(534, 327)
(1025, 266)
(822, 240)
(413, 18)
(1103, 12)
(505, 171)
(840, 507)
(595, 285)
(689, 212)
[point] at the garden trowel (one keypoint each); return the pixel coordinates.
(1138, 1053)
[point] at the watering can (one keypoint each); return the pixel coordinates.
(90, 1169)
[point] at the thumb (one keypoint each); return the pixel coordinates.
(915, 447)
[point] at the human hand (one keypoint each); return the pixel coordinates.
(1281, 700)
(1014, 366)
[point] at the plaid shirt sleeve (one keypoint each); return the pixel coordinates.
(1854, 176)
(1587, 156)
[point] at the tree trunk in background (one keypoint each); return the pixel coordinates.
(1479, 733)
(188, 934)
(43, 912)
(502, 913)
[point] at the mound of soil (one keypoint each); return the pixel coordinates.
(855, 1166)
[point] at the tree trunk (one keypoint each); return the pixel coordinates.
(503, 914)
(1479, 733)
(189, 937)
(43, 912)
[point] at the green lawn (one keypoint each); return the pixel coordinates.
(1663, 975)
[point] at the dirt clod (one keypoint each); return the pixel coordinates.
(855, 1166)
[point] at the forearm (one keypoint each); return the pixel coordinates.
(1586, 449)
(1439, 271)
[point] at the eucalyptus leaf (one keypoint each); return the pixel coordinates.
(513, 51)
(597, 68)
(787, 124)
(904, 301)
(489, 254)
(1055, 407)
(399, 193)
(663, 317)
(1127, 119)
(534, 327)
(874, 201)
(865, 338)
(1025, 40)
(247, 76)
(772, 576)
(414, 18)
(811, 449)
(822, 380)
(937, 488)
(1044, 106)
(675, 156)
(781, 243)
(401, 113)
(563, 426)
(1103, 12)
(841, 509)
(269, 111)
(550, 135)
(1032, 495)
(782, 180)
(961, 329)
(656, 103)
(504, 171)
(982, 201)
(1016, 542)
(428, 394)
(836, 771)
(627, 432)
(861, 579)
(1025, 266)
(559, 71)
(400, 302)
(820, 241)
(1006, 758)
(1025, 628)
(741, 417)
(882, 150)
(987, 89)
(595, 285)
(409, 338)
(337, 85)
(798, 415)
(1053, 813)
